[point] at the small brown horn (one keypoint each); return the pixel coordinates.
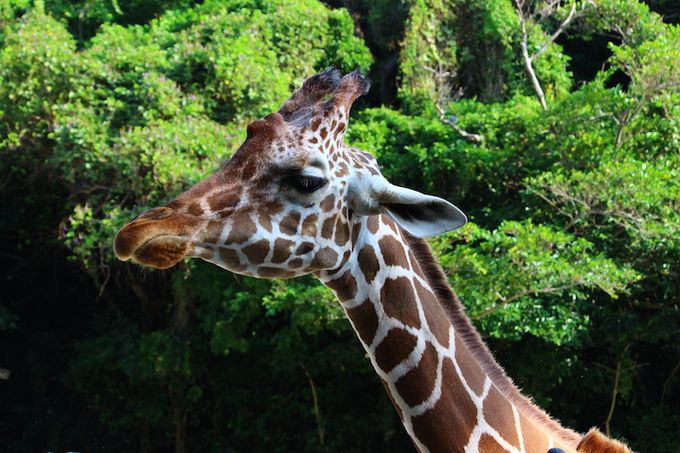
(301, 103)
(349, 89)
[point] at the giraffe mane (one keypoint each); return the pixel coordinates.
(473, 341)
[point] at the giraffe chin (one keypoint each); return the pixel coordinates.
(162, 252)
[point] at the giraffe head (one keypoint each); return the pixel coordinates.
(286, 203)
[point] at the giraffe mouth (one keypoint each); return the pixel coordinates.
(162, 251)
(158, 238)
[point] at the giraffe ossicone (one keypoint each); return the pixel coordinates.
(295, 199)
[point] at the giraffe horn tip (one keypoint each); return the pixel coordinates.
(330, 76)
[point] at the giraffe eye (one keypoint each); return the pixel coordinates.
(305, 184)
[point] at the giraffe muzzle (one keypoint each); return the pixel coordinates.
(156, 238)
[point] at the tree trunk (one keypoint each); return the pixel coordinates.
(180, 430)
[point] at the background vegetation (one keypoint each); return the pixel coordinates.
(563, 146)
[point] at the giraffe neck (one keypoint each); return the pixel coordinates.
(449, 392)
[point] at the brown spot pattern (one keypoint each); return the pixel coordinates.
(281, 250)
(266, 215)
(341, 232)
(327, 203)
(373, 224)
(472, 372)
(290, 223)
(327, 228)
(340, 129)
(365, 320)
(390, 223)
(257, 251)
(399, 301)
(273, 272)
(231, 259)
(304, 248)
(414, 264)
(393, 252)
(451, 421)
(394, 403)
(195, 209)
(324, 259)
(416, 385)
(249, 169)
(488, 444)
(394, 349)
(345, 286)
(241, 230)
(498, 413)
(534, 438)
(309, 225)
(435, 316)
(213, 231)
(355, 233)
(295, 263)
(368, 263)
(223, 200)
(345, 257)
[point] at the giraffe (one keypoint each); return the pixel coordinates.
(295, 199)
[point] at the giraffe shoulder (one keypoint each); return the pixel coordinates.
(596, 442)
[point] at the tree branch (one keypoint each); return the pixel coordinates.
(475, 138)
(524, 44)
(506, 300)
(615, 392)
(315, 399)
(565, 23)
(527, 59)
(669, 379)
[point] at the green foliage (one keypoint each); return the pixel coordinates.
(84, 17)
(122, 122)
(654, 70)
(310, 303)
(524, 278)
(637, 198)
(428, 57)
(472, 48)
(489, 70)
(247, 56)
(631, 20)
(9, 10)
(37, 63)
(344, 50)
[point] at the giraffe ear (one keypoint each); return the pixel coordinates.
(420, 214)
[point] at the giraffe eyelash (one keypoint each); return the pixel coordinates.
(305, 184)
